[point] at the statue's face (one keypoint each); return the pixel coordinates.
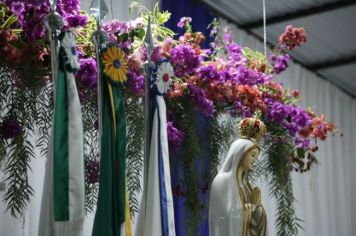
(250, 158)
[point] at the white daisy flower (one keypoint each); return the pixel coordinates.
(71, 55)
(164, 74)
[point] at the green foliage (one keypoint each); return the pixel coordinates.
(275, 168)
(206, 140)
(84, 34)
(44, 118)
(28, 96)
(135, 127)
(254, 55)
(91, 146)
(158, 19)
(7, 19)
(257, 58)
(19, 190)
(186, 117)
(4, 93)
(219, 137)
(190, 152)
(18, 100)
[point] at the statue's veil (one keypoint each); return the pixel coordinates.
(225, 210)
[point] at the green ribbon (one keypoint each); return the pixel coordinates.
(60, 149)
(110, 213)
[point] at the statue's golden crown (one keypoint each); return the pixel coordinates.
(252, 128)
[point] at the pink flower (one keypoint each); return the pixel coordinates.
(14, 55)
(134, 62)
(296, 93)
(183, 21)
(157, 54)
(293, 37)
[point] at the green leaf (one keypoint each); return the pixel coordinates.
(156, 11)
(11, 20)
(301, 152)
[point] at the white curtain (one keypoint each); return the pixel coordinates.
(324, 195)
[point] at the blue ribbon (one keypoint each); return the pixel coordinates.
(162, 182)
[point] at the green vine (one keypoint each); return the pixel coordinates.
(187, 156)
(275, 167)
(206, 140)
(44, 119)
(91, 146)
(20, 102)
(219, 136)
(19, 190)
(4, 92)
(135, 127)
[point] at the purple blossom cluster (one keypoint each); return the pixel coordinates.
(234, 52)
(209, 73)
(87, 74)
(293, 118)
(70, 10)
(31, 14)
(157, 54)
(175, 137)
(184, 59)
(239, 75)
(227, 36)
(115, 26)
(242, 110)
(202, 102)
(183, 21)
(10, 128)
(135, 83)
(92, 171)
(279, 62)
(247, 76)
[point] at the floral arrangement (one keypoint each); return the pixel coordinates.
(207, 83)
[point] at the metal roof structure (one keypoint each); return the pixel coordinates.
(329, 24)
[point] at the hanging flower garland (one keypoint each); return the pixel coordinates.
(222, 79)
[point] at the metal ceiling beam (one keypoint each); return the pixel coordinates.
(217, 9)
(332, 63)
(299, 13)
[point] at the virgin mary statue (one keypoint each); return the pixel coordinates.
(235, 206)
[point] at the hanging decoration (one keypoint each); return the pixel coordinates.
(112, 215)
(63, 202)
(156, 216)
(224, 79)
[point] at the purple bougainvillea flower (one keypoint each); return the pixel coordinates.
(92, 171)
(87, 73)
(10, 128)
(185, 60)
(183, 20)
(175, 137)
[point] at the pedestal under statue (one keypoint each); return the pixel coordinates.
(235, 207)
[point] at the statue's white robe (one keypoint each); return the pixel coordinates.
(225, 210)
